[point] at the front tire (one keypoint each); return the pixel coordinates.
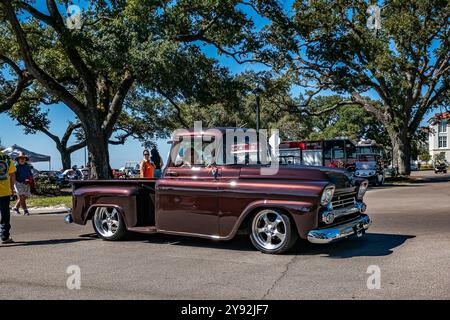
(272, 231)
(108, 224)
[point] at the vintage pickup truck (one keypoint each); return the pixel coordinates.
(215, 199)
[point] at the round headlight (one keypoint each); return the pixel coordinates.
(362, 189)
(327, 195)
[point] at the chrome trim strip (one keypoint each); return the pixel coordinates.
(327, 235)
(345, 211)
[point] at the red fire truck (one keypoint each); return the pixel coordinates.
(337, 153)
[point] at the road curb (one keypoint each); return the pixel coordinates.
(42, 211)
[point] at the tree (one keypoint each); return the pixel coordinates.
(404, 66)
(425, 156)
(117, 51)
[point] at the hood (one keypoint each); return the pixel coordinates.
(339, 177)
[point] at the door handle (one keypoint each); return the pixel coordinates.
(172, 174)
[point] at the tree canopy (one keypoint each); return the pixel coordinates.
(404, 64)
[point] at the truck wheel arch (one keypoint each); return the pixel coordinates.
(293, 209)
(249, 216)
(91, 210)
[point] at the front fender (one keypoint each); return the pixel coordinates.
(303, 213)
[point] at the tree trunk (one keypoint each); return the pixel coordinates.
(401, 157)
(65, 158)
(97, 144)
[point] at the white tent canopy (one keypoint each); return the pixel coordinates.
(14, 150)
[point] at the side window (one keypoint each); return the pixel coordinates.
(351, 151)
(189, 153)
(327, 152)
(338, 152)
(334, 150)
(180, 153)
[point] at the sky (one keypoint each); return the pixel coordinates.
(59, 115)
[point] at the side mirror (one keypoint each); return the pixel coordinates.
(179, 163)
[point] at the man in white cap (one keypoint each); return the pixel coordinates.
(7, 180)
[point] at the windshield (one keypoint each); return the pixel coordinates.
(366, 165)
(366, 162)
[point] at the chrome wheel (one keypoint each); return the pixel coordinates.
(107, 222)
(269, 230)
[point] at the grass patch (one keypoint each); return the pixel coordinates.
(50, 201)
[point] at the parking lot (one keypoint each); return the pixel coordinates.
(409, 241)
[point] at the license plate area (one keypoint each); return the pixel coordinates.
(359, 230)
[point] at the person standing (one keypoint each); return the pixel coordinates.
(7, 180)
(157, 161)
(24, 179)
(147, 168)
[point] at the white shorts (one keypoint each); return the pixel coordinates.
(22, 189)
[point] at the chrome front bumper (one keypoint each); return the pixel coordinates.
(355, 227)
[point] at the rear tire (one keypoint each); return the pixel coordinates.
(272, 231)
(108, 224)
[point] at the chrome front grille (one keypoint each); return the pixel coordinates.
(343, 200)
(344, 207)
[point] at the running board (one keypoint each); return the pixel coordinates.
(148, 229)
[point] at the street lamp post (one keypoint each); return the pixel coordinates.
(257, 93)
(258, 114)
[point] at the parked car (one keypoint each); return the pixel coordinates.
(84, 173)
(76, 174)
(117, 174)
(130, 172)
(53, 176)
(440, 166)
(370, 167)
(214, 199)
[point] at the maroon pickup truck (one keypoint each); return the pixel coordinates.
(212, 198)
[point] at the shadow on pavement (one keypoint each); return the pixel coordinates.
(42, 242)
(370, 245)
(240, 242)
(417, 182)
(390, 186)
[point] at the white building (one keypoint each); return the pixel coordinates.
(439, 135)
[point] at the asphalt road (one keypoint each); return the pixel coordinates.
(409, 241)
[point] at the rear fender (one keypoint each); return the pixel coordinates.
(125, 198)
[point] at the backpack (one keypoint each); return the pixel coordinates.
(5, 162)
